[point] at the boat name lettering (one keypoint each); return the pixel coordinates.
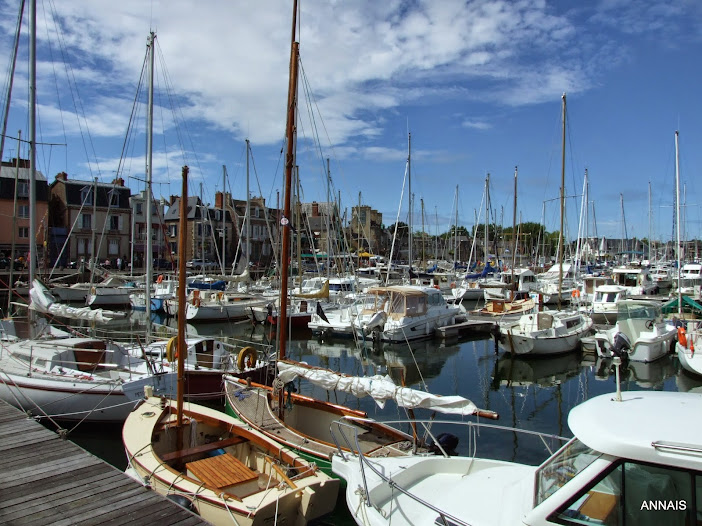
(664, 505)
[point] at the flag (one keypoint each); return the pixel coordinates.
(320, 312)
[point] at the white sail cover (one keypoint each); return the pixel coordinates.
(41, 300)
(380, 388)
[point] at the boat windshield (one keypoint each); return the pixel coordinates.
(565, 464)
(638, 311)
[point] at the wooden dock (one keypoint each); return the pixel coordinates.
(48, 480)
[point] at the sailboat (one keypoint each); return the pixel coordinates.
(232, 473)
(549, 332)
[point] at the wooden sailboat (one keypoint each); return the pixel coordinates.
(230, 473)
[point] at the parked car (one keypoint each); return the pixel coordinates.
(201, 265)
(163, 264)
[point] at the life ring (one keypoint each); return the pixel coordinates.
(682, 337)
(247, 358)
(575, 293)
(172, 349)
(159, 280)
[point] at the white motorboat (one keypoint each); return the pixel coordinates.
(636, 279)
(401, 313)
(604, 303)
(547, 332)
(622, 466)
(688, 349)
(640, 332)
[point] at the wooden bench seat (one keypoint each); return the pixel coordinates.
(204, 448)
(222, 472)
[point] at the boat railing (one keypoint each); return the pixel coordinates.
(365, 462)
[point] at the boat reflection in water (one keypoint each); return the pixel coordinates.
(545, 372)
(638, 375)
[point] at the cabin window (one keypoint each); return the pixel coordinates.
(634, 494)
(570, 460)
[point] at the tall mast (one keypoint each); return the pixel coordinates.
(455, 231)
(32, 141)
(487, 219)
(202, 230)
(424, 265)
(6, 112)
(560, 234)
(289, 164)
(409, 195)
(247, 216)
(649, 221)
(148, 259)
(514, 227)
(223, 208)
(677, 216)
(358, 222)
(182, 349)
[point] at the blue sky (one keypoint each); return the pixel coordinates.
(478, 84)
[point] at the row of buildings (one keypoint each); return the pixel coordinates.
(78, 220)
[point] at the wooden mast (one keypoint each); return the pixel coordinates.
(289, 165)
(181, 348)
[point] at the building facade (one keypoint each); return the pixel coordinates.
(89, 219)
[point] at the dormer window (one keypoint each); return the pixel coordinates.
(86, 195)
(114, 197)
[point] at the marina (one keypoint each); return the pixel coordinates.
(289, 358)
(533, 394)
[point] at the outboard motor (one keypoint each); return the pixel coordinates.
(447, 441)
(622, 344)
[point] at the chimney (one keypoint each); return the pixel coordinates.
(118, 182)
(218, 199)
(172, 200)
(315, 209)
(62, 176)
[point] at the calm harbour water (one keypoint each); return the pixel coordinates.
(532, 394)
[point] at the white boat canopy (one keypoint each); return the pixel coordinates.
(380, 388)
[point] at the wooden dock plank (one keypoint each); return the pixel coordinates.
(50, 481)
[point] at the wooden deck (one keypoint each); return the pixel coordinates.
(48, 480)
